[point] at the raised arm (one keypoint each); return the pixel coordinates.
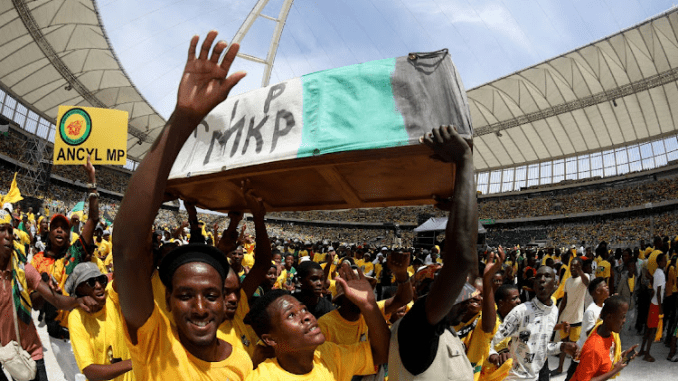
(359, 291)
(93, 197)
(204, 85)
(462, 225)
(62, 302)
(264, 255)
(196, 232)
(398, 263)
(230, 238)
(494, 263)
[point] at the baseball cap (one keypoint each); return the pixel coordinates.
(81, 273)
(59, 217)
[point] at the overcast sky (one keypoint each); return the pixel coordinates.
(487, 39)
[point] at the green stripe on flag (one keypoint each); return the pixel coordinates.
(351, 108)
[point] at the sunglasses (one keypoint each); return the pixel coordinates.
(102, 279)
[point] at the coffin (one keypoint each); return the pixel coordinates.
(335, 139)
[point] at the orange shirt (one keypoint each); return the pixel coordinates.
(596, 357)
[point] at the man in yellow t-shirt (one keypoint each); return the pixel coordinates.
(97, 337)
(300, 347)
(193, 274)
(346, 324)
(233, 330)
(103, 246)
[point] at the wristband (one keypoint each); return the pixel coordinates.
(93, 195)
(91, 185)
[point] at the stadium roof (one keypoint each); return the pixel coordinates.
(56, 53)
(608, 94)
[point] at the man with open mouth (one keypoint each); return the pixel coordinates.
(96, 336)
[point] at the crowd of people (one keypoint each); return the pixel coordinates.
(159, 295)
(579, 200)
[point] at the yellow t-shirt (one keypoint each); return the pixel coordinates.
(477, 344)
(319, 257)
(95, 336)
(330, 362)
(108, 262)
(248, 260)
(603, 269)
(74, 237)
(368, 266)
(24, 238)
(341, 331)
(159, 295)
(159, 355)
(236, 332)
(249, 248)
(103, 249)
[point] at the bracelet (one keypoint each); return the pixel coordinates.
(93, 194)
(91, 185)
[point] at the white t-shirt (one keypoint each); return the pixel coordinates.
(576, 294)
(590, 318)
(659, 281)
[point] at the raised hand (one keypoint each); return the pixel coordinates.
(494, 262)
(192, 212)
(88, 304)
(204, 83)
(89, 169)
(447, 144)
(254, 202)
(398, 262)
(356, 287)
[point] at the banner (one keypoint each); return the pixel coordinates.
(100, 133)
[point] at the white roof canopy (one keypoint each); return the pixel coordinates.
(611, 93)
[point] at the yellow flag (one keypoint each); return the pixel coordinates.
(14, 194)
(98, 132)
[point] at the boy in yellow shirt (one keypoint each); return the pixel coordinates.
(193, 274)
(300, 347)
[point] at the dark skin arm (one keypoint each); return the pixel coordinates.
(93, 217)
(398, 264)
(196, 232)
(229, 240)
(203, 86)
(102, 372)
(494, 263)
(462, 225)
(358, 290)
(62, 302)
(264, 256)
